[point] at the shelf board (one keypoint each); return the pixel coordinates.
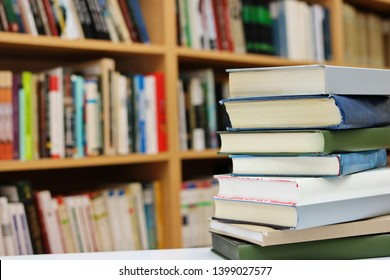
(206, 154)
(223, 58)
(16, 41)
(45, 164)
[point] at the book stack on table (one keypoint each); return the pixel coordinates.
(310, 177)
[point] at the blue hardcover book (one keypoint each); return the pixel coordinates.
(308, 165)
(136, 12)
(303, 112)
(141, 113)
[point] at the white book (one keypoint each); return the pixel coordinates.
(317, 15)
(303, 202)
(308, 80)
(141, 218)
(101, 218)
(56, 107)
(83, 224)
(118, 20)
(72, 29)
(92, 123)
(25, 8)
(21, 212)
(113, 214)
(195, 24)
(125, 217)
(6, 227)
(151, 114)
(74, 225)
(291, 8)
(122, 115)
(89, 223)
(45, 207)
(18, 238)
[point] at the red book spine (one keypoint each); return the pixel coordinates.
(45, 238)
(129, 21)
(227, 26)
(50, 17)
(161, 112)
(217, 26)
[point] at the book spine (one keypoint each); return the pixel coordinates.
(15, 114)
(161, 112)
(54, 104)
(37, 17)
(136, 12)
(28, 115)
(6, 227)
(78, 91)
(128, 20)
(69, 114)
(85, 18)
(99, 24)
(50, 17)
(26, 196)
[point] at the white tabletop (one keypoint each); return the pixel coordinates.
(167, 254)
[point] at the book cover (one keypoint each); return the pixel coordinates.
(304, 141)
(308, 165)
(136, 12)
(317, 111)
(268, 236)
(357, 247)
(28, 141)
(308, 80)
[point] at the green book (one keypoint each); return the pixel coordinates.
(357, 247)
(315, 141)
(28, 115)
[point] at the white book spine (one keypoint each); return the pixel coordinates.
(25, 6)
(6, 227)
(151, 115)
(126, 225)
(25, 229)
(92, 118)
(123, 136)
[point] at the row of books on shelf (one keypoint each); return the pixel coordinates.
(114, 20)
(367, 37)
(114, 217)
(252, 26)
(86, 110)
(196, 209)
(199, 116)
(285, 199)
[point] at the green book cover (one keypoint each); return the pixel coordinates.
(358, 247)
(349, 140)
(28, 115)
(310, 141)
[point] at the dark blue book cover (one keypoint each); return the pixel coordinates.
(356, 111)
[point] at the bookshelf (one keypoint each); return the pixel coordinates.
(23, 51)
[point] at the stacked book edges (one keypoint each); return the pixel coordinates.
(310, 177)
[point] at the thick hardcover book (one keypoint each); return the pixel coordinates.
(305, 141)
(268, 236)
(301, 216)
(317, 111)
(357, 247)
(308, 80)
(308, 165)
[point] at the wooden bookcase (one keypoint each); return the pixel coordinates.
(21, 52)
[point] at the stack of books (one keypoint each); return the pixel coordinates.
(308, 147)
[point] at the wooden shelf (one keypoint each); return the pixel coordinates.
(223, 58)
(39, 44)
(207, 154)
(45, 164)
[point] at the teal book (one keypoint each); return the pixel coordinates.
(340, 164)
(78, 96)
(357, 247)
